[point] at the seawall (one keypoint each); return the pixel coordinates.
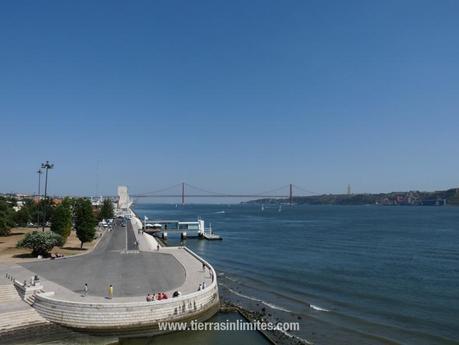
(134, 316)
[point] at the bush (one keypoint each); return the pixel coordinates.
(41, 242)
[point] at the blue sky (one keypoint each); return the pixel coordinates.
(234, 96)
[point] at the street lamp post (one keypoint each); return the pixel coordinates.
(46, 166)
(39, 172)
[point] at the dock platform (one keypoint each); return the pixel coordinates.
(212, 237)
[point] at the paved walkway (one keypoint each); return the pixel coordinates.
(125, 258)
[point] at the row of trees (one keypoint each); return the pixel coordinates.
(32, 211)
(72, 212)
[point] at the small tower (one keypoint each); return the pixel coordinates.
(349, 192)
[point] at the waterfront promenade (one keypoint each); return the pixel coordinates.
(133, 274)
(131, 262)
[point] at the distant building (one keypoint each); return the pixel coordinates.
(97, 201)
(57, 201)
(19, 205)
(349, 192)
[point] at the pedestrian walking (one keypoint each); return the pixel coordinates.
(85, 289)
(110, 291)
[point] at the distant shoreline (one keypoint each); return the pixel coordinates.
(410, 198)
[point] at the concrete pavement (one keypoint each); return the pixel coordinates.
(125, 258)
(133, 273)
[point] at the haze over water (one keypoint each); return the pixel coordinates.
(371, 274)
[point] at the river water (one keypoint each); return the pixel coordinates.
(349, 274)
(62, 336)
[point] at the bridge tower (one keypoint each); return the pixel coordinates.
(183, 193)
(290, 197)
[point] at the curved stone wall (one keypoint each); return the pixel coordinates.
(131, 317)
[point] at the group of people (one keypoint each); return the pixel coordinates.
(32, 282)
(84, 291)
(150, 297)
(202, 286)
(204, 266)
(56, 256)
(158, 297)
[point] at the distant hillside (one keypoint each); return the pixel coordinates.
(411, 198)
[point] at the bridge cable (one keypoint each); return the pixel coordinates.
(159, 190)
(305, 190)
(203, 190)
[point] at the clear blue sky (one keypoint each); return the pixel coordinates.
(234, 96)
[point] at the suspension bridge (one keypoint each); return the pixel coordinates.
(185, 190)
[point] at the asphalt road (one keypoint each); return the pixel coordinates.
(132, 274)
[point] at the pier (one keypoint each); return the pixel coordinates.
(135, 264)
(188, 229)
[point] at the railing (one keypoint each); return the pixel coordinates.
(131, 315)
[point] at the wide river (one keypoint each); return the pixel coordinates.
(350, 274)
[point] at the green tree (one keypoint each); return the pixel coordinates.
(85, 221)
(48, 205)
(6, 217)
(41, 242)
(106, 211)
(69, 202)
(34, 211)
(23, 216)
(61, 222)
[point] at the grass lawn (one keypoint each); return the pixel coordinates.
(9, 253)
